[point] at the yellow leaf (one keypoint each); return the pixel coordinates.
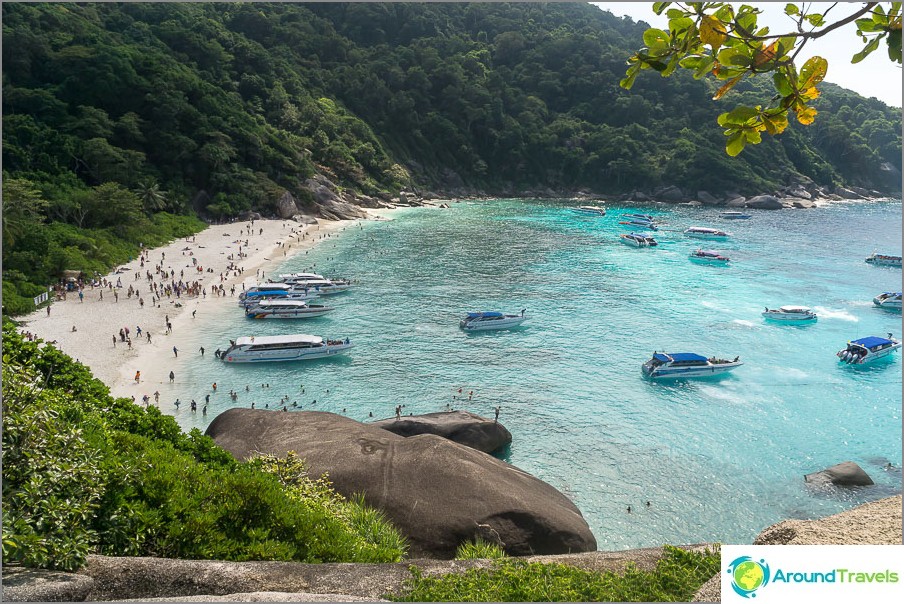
(810, 94)
(712, 32)
(728, 86)
(764, 55)
(806, 116)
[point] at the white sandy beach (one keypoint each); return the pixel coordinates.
(98, 321)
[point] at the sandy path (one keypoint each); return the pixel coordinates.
(98, 320)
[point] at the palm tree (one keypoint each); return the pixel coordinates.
(152, 198)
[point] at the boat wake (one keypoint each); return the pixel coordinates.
(743, 322)
(827, 313)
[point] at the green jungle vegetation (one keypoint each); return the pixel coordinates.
(122, 121)
(86, 473)
(677, 576)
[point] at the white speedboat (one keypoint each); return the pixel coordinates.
(708, 257)
(706, 233)
(285, 309)
(637, 240)
(731, 215)
(790, 314)
(274, 290)
(642, 217)
(589, 210)
(864, 350)
(686, 365)
(264, 296)
(483, 321)
(323, 287)
(890, 300)
(884, 260)
(299, 347)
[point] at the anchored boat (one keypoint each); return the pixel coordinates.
(790, 314)
(706, 233)
(686, 365)
(484, 321)
(891, 300)
(637, 240)
(298, 347)
(865, 350)
(884, 260)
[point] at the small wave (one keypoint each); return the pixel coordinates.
(827, 313)
(743, 322)
(714, 306)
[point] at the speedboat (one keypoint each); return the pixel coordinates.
(730, 215)
(637, 240)
(265, 296)
(884, 260)
(685, 365)
(864, 350)
(483, 321)
(641, 224)
(323, 287)
(706, 233)
(642, 217)
(709, 257)
(285, 309)
(790, 313)
(890, 300)
(589, 210)
(297, 347)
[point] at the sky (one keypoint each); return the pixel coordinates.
(875, 76)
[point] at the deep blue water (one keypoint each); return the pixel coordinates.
(718, 460)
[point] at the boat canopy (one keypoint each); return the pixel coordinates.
(475, 315)
(678, 356)
(293, 339)
(271, 292)
(872, 341)
(795, 309)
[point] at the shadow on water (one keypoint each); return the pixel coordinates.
(503, 453)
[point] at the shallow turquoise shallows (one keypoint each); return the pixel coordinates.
(718, 460)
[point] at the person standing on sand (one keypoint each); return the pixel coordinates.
(137, 377)
(114, 341)
(176, 352)
(172, 376)
(48, 310)
(202, 351)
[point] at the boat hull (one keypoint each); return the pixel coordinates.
(712, 261)
(708, 236)
(294, 314)
(275, 356)
(789, 318)
(507, 323)
(672, 373)
(888, 304)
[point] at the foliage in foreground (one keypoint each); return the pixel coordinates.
(479, 550)
(678, 575)
(85, 473)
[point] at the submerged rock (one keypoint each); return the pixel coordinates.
(845, 474)
(437, 492)
(463, 427)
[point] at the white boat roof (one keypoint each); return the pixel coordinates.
(705, 230)
(292, 339)
(297, 303)
(795, 309)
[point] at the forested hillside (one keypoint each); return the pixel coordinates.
(113, 113)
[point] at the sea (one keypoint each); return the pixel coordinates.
(696, 460)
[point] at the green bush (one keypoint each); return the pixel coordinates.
(677, 576)
(479, 550)
(83, 472)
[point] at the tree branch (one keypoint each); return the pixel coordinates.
(809, 35)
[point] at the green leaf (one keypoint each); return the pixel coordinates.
(658, 7)
(680, 24)
(674, 13)
(785, 45)
(873, 45)
(738, 115)
(735, 143)
(782, 85)
(816, 20)
(753, 136)
(894, 45)
(705, 67)
(813, 72)
(867, 26)
(656, 39)
(791, 9)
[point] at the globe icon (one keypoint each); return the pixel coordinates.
(748, 575)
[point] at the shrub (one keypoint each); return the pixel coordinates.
(479, 550)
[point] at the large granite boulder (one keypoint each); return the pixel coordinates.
(873, 523)
(845, 474)
(286, 206)
(738, 201)
(670, 194)
(437, 492)
(847, 193)
(463, 427)
(765, 202)
(708, 199)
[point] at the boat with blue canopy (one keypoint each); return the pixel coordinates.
(870, 348)
(883, 260)
(673, 365)
(483, 321)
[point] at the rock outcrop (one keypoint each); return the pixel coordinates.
(329, 204)
(874, 523)
(463, 427)
(765, 202)
(286, 206)
(34, 585)
(845, 474)
(437, 492)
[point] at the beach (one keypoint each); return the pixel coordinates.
(86, 328)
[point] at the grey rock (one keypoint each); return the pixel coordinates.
(405, 197)
(802, 203)
(845, 474)
(799, 191)
(670, 194)
(847, 193)
(765, 202)
(437, 492)
(304, 219)
(866, 193)
(35, 585)
(331, 206)
(711, 591)
(873, 523)
(263, 596)
(738, 201)
(366, 201)
(708, 199)
(463, 427)
(693, 204)
(286, 206)
(639, 196)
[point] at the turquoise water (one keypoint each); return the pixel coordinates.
(718, 460)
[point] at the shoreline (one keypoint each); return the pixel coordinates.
(97, 321)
